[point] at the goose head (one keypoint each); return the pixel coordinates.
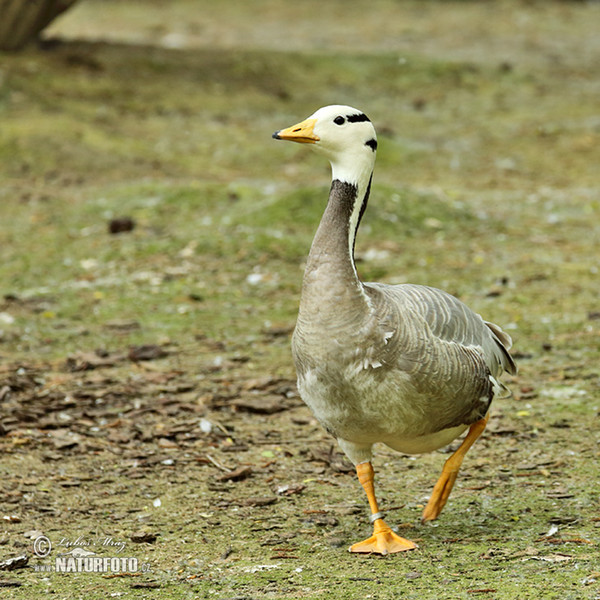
(345, 135)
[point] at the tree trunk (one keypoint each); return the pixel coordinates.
(22, 20)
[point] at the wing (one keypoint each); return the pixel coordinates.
(452, 355)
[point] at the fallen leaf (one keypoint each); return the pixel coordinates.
(166, 443)
(290, 490)
(283, 555)
(11, 518)
(236, 475)
(140, 537)
(87, 361)
(33, 534)
(266, 405)
(573, 540)
(551, 558)
(146, 352)
(18, 562)
(258, 501)
(122, 326)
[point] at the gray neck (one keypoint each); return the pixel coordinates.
(332, 250)
(332, 294)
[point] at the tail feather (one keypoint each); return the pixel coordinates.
(504, 342)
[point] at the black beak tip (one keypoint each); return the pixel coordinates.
(275, 136)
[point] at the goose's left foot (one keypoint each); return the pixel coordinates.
(443, 487)
(383, 541)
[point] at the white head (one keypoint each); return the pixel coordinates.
(345, 135)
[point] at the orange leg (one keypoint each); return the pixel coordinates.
(443, 487)
(383, 540)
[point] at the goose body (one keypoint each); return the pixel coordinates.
(406, 365)
(417, 368)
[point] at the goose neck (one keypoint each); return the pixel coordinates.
(332, 251)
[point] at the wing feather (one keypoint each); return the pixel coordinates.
(449, 351)
(406, 307)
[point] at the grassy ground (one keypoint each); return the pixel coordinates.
(146, 386)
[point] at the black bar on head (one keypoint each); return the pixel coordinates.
(357, 118)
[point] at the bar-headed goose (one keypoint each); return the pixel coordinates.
(407, 365)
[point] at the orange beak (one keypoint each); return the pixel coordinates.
(302, 133)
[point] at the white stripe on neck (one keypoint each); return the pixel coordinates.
(360, 179)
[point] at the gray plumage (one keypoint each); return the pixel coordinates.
(416, 362)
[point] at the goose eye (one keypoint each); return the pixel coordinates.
(339, 120)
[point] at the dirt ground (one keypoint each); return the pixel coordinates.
(153, 236)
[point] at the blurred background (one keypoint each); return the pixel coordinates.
(161, 112)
